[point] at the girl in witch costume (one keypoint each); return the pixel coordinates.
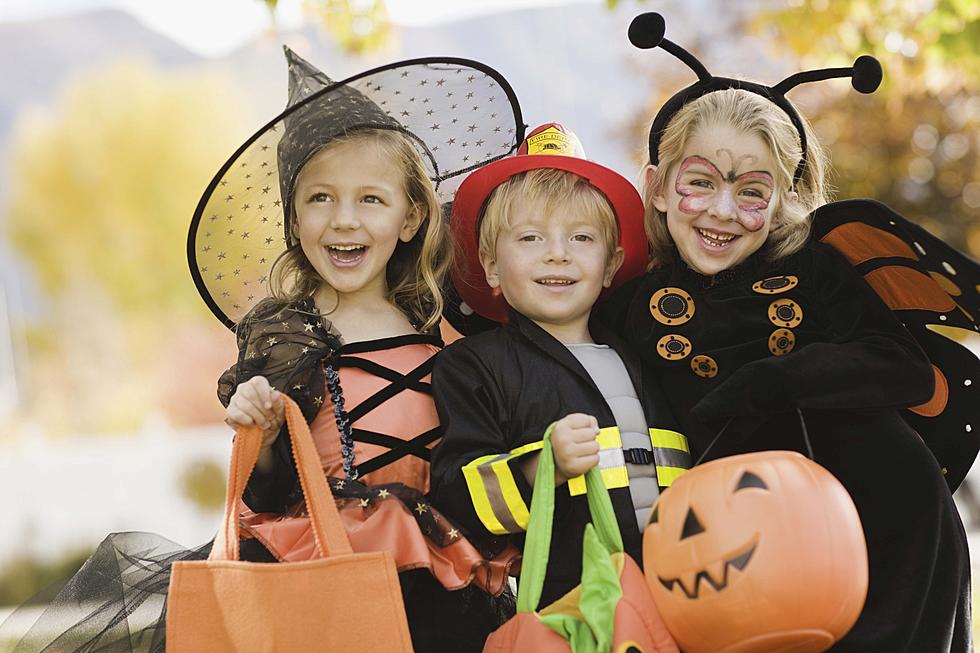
(355, 242)
(747, 319)
(354, 298)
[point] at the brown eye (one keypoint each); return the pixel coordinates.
(750, 480)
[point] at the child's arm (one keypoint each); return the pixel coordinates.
(255, 402)
(476, 471)
(873, 363)
(573, 440)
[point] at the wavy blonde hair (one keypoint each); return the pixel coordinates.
(752, 114)
(416, 269)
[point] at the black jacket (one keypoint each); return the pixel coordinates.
(497, 392)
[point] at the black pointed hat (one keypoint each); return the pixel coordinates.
(459, 113)
(647, 31)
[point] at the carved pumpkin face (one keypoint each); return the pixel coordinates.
(757, 552)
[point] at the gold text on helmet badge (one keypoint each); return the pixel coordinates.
(671, 306)
(673, 347)
(775, 285)
(785, 313)
(781, 341)
(704, 366)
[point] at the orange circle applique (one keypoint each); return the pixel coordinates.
(781, 342)
(775, 285)
(704, 366)
(671, 306)
(785, 313)
(673, 347)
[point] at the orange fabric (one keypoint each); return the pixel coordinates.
(224, 604)
(637, 622)
(387, 526)
(903, 288)
(405, 415)
(940, 396)
(384, 525)
(860, 242)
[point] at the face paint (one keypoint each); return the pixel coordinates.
(745, 196)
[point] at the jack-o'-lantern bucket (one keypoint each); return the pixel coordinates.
(760, 552)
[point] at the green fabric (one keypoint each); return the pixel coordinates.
(600, 590)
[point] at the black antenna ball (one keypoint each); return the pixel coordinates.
(647, 30)
(867, 74)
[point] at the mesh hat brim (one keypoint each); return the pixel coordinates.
(459, 113)
(468, 275)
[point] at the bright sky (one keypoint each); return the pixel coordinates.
(214, 27)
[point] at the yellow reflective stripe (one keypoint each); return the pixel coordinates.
(509, 492)
(478, 494)
(609, 438)
(668, 439)
(494, 492)
(614, 475)
(667, 475)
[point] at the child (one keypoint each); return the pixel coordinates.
(556, 229)
(354, 298)
(744, 317)
(347, 331)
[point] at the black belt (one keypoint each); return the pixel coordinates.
(638, 456)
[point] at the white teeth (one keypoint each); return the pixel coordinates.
(346, 248)
(715, 240)
(556, 282)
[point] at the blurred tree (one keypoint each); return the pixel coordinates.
(357, 26)
(102, 188)
(914, 144)
(203, 484)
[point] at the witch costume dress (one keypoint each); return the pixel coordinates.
(368, 403)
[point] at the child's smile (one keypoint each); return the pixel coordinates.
(719, 201)
(351, 212)
(551, 269)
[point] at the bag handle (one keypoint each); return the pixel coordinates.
(803, 430)
(328, 531)
(537, 543)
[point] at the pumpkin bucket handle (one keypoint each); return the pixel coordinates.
(803, 430)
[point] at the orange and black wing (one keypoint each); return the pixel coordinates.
(935, 291)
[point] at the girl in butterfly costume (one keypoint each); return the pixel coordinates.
(753, 309)
(355, 242)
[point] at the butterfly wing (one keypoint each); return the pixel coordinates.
(933, 289)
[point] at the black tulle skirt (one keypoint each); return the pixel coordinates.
(117, 603)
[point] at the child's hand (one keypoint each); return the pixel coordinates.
(256, 402)
(573, 440)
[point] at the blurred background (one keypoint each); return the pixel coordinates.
(115, 114)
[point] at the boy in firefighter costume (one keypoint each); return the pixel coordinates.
(551, 230)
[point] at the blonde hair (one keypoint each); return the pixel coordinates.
(751, 114)
(416, 269)
(552, 190)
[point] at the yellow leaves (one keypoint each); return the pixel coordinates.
(358, 26)
(103, 184)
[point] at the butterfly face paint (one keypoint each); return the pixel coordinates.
(702, 186)
(720, 197)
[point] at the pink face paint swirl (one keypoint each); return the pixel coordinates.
(750, 212)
